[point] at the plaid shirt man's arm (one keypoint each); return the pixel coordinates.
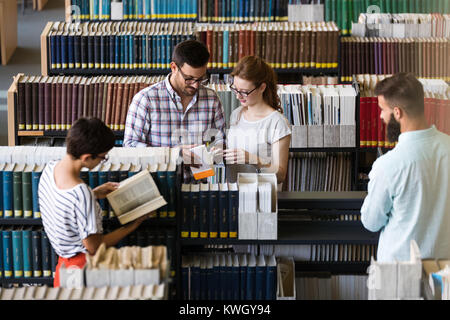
(219, 122)
(137, 125)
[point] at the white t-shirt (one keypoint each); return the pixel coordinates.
(256, 137)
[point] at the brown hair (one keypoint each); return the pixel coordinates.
(256, 70)
(403, 90)
(89, 136)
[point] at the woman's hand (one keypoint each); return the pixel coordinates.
(101, 191)
(239, 156)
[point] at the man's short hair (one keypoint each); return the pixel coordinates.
(403, 90)
(192, 52)
(89, 136)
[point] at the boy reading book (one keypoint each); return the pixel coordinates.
(71, 215)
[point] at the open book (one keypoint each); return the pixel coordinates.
(135, 197)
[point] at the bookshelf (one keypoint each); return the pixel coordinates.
(8, 29)
(39, 4)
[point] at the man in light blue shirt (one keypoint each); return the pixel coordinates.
(409, 188)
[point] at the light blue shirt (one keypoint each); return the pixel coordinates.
(409, 197)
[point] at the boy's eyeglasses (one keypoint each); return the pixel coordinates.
(104, 158)
(189, 80)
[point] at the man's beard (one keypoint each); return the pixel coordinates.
(393, 129)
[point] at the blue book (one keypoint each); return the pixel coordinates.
(171, 191)
(144, 51)
(46, 259)
(226, 34)
(125, 9)
(247, 10)
(195, 210)
(210, 278)
(271, 278)
(163, 50)
(228, 277)
(103, 178)
(251, 273)
(223, 210)
(260, 278)
(140, 9)
(161, 182)
(84, 175)
(215, 283)
(204, 210)
(64, 48)
(27, 253)
(53, 260)
(113, 176)
(7, 253)
(241, 10)
(113, 52)
(225, 12)
(95, 14)
(2, 166)
(123, 171)
(213, 210)
(203, 278)
(93, 177)
(195, 279)
(70, 51)
(8, 191)
(242, 276)
(36, 253)
(58, 50)
(169, 48)
(158, 51)
(235, 278)
(17, 251)
(223, 277)
(131, 57)
(126, 52)
(186, 210)
(148, 9)
(233, 209)
(27, 195)
(135, 168)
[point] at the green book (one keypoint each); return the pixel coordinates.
(446, 6)
(339, 9)
(345, 15)
(17, 191)
(27, 194)
(333, 10)
(428, 5)
(388, 4)
(327, 10)
(418, 6)
(394, 6)
(383, 6)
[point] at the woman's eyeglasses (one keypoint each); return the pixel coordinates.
(242, 93)
(189, 80)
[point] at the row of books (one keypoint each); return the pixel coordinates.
(283, 45)
(426, 58)
(133, 9)
(209, 210)
(344, 12)
(229, 277)
(113, 45)
(336, 287)
(318, 104)
(54, 103)
(409, 25)
(373, 129)
(134, 292)
(242, 10)
(342, 252)
(319, 171)
(26, 252)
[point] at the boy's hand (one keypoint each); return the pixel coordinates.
(101, 191)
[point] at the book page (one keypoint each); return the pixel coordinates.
(133, 192)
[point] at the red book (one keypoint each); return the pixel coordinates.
(242, 43)
(75, 100)
(63, 105)
(58, 92)
(209, 35)
(374, 123)
(380, 129)
(362, 122)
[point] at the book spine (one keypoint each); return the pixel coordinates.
(214, 214)
(195, 216)
(161, 181)
(186, 209)
(271, 282)
(250, 283)
(7, 254)
(35, 105)
(28, 106)
(35, 176)
(223, 214)
(17, 250)
(45, 250)
(172, 194)
(27, 195)
(260, 277)
(18, 197)
(27, 254)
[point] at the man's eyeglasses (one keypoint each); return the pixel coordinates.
(189, 80)
(242, 93)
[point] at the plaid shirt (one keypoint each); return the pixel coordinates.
(155, 118)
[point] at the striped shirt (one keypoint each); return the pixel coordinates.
(69, 215)
(156, 119)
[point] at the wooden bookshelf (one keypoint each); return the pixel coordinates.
(8, 29)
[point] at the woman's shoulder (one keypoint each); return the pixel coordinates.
(279, 118)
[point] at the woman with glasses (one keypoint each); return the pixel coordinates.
(259, 135)
(71, 215)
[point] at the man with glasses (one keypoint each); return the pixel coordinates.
(178, 111)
